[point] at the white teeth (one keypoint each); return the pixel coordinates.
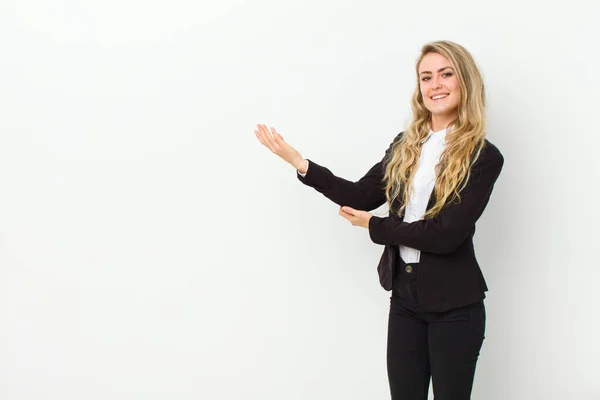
(439, 96)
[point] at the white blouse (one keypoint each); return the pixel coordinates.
(423, 185)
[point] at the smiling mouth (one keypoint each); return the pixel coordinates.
(439, 96)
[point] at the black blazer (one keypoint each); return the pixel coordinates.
(448, 275)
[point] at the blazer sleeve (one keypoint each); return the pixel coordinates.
(444, 233)
(367, 193)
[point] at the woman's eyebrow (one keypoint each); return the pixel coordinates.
(439, 70)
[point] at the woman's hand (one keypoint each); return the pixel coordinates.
(356, 217)
(274, 142)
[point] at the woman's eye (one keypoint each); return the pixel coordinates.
(425, 78)
(448, 74)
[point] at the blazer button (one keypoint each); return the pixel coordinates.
(408, 269)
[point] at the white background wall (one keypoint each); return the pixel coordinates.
(151, 248)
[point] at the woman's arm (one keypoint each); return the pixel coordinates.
(367, 193)
(444, 233)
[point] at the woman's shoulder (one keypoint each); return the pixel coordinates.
(397, 137)
(393, 142)
(489, 157)
(490, 150)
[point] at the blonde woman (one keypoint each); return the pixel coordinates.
(436, 177)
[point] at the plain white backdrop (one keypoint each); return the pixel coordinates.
(152, 248)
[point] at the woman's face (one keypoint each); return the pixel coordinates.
(439, 86)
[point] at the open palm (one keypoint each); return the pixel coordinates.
(274, 142)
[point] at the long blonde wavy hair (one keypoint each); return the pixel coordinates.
(465, 136)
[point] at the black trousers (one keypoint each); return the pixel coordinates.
(441, 346)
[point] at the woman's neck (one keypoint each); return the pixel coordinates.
(439, 122)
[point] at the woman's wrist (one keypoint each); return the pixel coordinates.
(301, 166)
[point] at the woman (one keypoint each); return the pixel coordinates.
(436, 177)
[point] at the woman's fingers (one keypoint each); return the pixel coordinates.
(349, 210)
(265, 138)
(265, 134)
(347, 216)
(280, 143)
(276, 136)
(260, 135)
(268, 138)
